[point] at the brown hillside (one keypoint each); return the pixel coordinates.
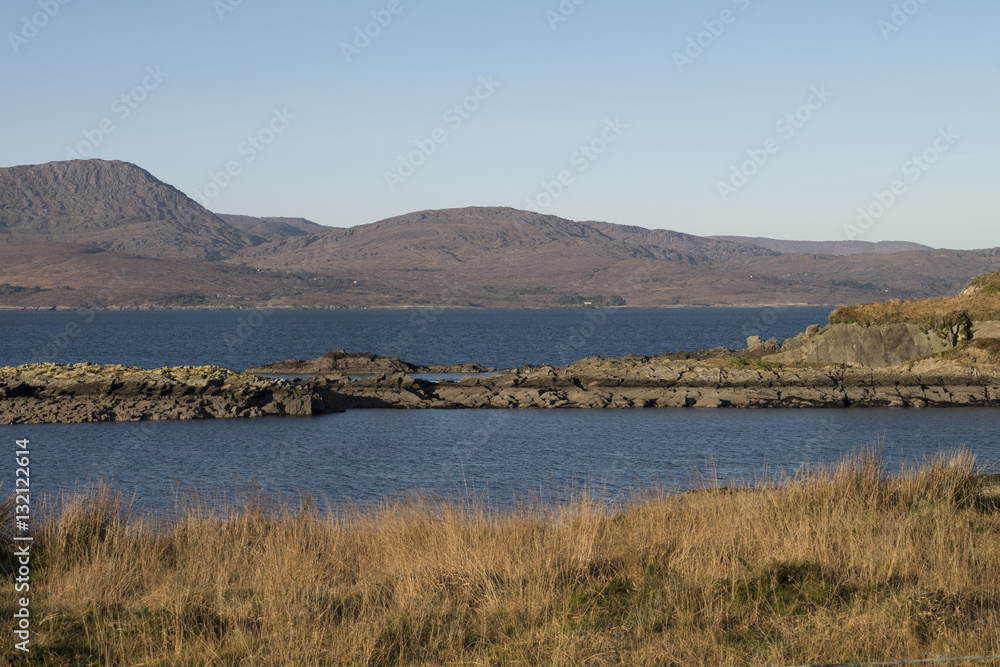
(39, 274)
(501, 256)
(56, 217)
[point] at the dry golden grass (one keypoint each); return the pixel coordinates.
(833, 564)
(928, 312)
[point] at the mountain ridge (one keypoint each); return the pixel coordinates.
(786, 247)
(66, 227)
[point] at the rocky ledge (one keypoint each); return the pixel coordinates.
(968, 375)
(56, 393)
(639, 382)
(339, 362)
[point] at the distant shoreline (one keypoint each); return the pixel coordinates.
(409, 307)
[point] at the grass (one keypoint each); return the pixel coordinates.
(832, 564)
(932, 313)
(986, 284)
(978, 351)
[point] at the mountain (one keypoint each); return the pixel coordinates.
(85, 233)
(112, 206)
(273, 229)
(489, 241)
(827, 247)
(491, 255)
(502, 256)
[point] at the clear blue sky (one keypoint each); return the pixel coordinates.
(223, 73)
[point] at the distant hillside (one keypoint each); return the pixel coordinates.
(503, 256)
(827, 247)
(75, 234)
(273, 229)
(113, 206)
(497, 237)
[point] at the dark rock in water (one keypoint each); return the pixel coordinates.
(340, 362)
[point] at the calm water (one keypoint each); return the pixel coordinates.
(367, 455)
(500, 338)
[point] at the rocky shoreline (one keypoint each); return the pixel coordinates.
(53, 393)
(81, 393)
(934, 353)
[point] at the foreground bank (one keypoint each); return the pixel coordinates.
(837, 565)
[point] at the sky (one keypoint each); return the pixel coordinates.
(816, 120)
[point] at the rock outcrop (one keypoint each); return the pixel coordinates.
(873, 346)
(988, 283)
(57, 393)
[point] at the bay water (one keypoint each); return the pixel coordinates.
(367, 455)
